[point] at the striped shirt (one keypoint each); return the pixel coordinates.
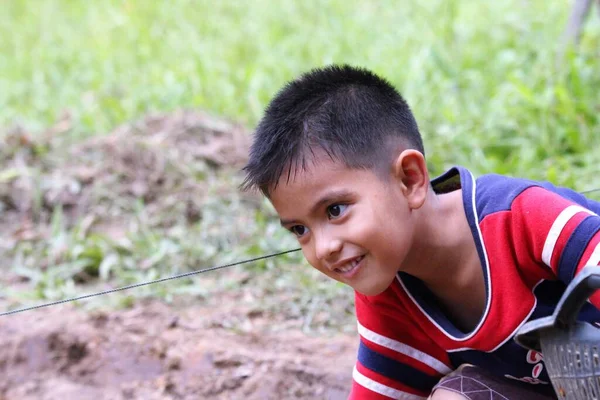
(532, 239)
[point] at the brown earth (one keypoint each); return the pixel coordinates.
(165, 160)
(155, 351)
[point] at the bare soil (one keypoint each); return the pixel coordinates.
(155, 351)
(164, 160)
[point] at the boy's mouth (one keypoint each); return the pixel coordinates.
(351, 267)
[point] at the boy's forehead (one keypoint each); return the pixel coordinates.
(323, 180)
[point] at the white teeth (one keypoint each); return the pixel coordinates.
(351, 265)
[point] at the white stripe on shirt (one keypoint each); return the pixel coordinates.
(557, 227)
(382, 389)
(595, 257)
(403, 349)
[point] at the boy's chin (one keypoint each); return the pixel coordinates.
(373, 289)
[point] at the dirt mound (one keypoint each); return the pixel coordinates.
(157, 352)
(161, 159)
(164, 161)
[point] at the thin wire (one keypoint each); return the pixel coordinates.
(590, 191)
(200, 271)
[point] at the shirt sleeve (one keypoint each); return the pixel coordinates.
(395, 359)
(561, 235)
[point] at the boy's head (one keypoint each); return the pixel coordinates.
(339, 155)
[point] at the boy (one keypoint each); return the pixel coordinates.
(444, 271)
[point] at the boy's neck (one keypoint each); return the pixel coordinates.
(445, 258)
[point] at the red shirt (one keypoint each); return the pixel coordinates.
(532, 239)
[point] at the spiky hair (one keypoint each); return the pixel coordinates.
(349, 113)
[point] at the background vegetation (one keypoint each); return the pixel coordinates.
(483, 78)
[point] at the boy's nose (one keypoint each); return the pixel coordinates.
(326, 247)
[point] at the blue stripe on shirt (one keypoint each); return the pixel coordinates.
(395, 370)
(575, 247)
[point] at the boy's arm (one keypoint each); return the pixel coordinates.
(555, 232)
(395, 360)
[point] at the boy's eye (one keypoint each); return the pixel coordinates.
(299, 230)
(336, 210)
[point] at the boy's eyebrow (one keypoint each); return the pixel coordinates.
(288, 222)
(326, 198)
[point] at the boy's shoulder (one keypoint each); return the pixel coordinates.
(493, 193)
(497, 193)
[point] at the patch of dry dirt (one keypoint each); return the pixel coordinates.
(164, 160)
(155, 351)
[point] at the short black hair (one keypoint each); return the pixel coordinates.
(350, 113)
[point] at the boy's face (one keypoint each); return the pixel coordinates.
(353, 225)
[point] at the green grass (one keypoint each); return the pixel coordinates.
(482, 78)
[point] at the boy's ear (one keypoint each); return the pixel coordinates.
(410, 170)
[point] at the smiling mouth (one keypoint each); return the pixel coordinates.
(350, 267)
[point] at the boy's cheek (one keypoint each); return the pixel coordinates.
(307, 257)
(314, 263)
